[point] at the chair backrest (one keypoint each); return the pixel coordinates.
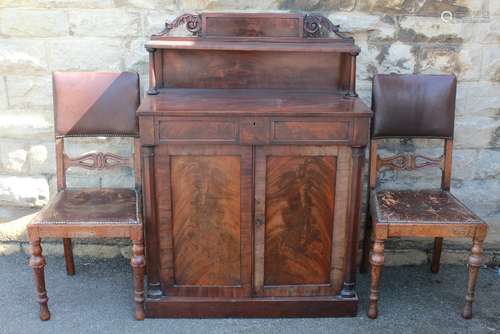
(413, 106)
(95, 104)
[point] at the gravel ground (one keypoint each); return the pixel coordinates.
(99, 300)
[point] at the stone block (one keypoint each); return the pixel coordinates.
(104, 23)
(148, 4)
(477, 132)
(200, 5)
(7, 248)
(489, 32)
(482, 99)
(85, 54)
(137, 58)
(96, 250)
(482, 195)
(22, 124)
(154, 21)
(386, 58)
(491, 63)
(462, 8)
(33, 23)
(494, 8)
(3, 94)
(22, 56)
(42, 158)
(29, 92)
(126, 251)
(415, 29)
(488, 165)
(30, 191)
(317, 5)
(48, 248)
(117, 178)
(465, 164)
(13, 156)
(463, 61)
(57, 3)
(399, 257)
(14, 221)
(378, 27)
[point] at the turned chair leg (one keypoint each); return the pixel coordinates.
(68, 256)
(377, 261)
(474, 265)
(137, 262)
(37, 263)
(365, 257)
(436, 255)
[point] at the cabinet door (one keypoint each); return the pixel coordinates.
(300, 219)
(204, 217)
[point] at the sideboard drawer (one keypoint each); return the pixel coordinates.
(256, 130)
(318, 130)
(175, 129)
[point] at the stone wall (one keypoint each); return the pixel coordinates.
(401, 36)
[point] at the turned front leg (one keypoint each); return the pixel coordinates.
(377, 261)
(37, 263)
(474, 265)
(137, 263)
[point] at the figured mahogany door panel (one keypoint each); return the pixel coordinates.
(205, 220)
(299, 217)
(299, 231)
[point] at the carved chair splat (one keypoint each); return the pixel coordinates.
(430, 99)
(92, 104)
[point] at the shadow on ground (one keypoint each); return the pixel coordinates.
(99, 300)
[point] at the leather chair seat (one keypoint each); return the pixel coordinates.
(91, 206)
(421, 206)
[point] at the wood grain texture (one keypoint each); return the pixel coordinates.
(299, 220)
(258, 25)
(247, 69)
(322, 272)
(317, 130)
(255, 102)
(206, 219)
(204, 212)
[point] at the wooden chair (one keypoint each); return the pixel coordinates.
(417, 106)
(92, 104)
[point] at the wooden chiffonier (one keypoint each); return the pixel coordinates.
(253, 145)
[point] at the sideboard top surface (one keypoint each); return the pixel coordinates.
(255, 102)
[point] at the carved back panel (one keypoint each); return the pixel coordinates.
(411, 161)
(95, 161)
(247, 51)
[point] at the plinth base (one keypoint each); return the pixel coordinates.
(193, 307)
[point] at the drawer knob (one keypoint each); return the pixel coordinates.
(259, 221)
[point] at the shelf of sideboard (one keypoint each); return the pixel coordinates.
(322, 45)
(252, 102)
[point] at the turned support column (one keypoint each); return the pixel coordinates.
(474, 265)
(137, 263)
(351, 92)
(37, 263)
(376, 261)
(153, 85)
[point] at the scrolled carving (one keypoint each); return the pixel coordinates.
(192, 22)
(97, 161)
(316, 25)
(409, 161)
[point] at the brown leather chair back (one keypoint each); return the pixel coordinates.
(96, 103)
(413, 106)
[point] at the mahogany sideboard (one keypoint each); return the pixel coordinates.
(253, 144)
